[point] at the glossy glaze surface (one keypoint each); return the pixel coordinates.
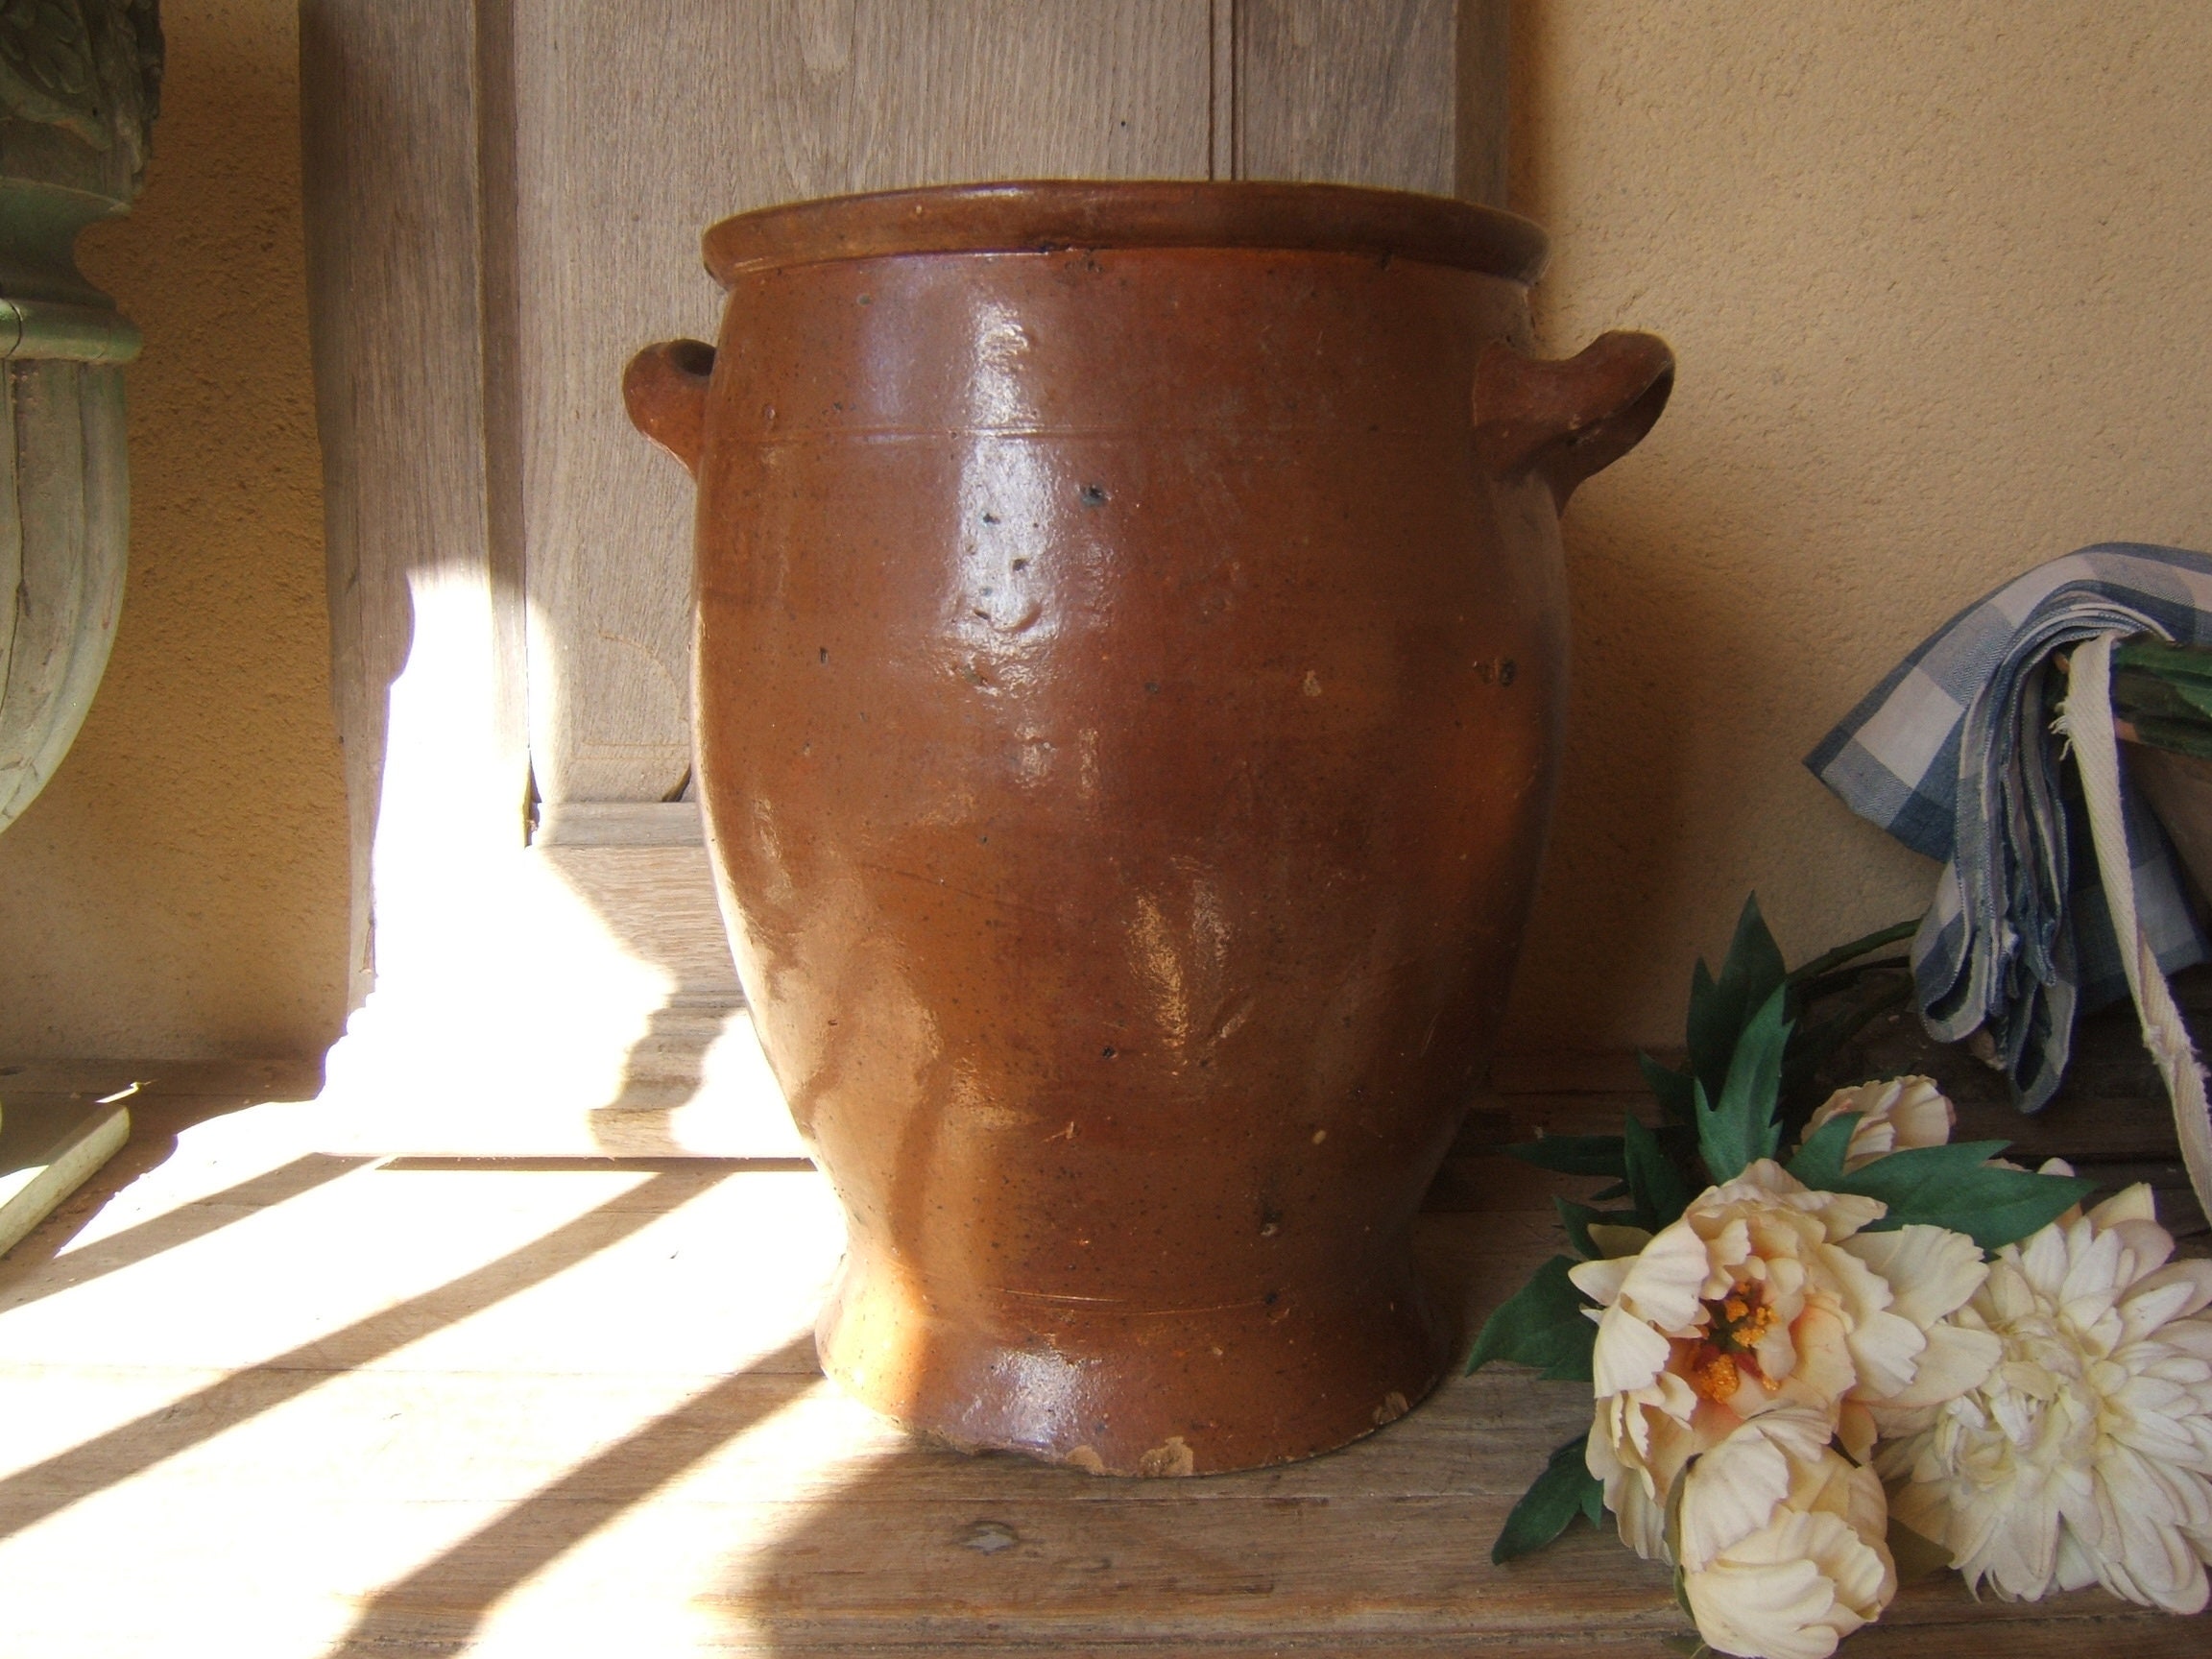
(1128, 682)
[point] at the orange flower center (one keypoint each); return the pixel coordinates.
(1735, 1323)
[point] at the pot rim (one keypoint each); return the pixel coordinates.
(1049, 215)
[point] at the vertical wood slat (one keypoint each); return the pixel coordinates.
(1221, 89)
(499, 291)
(1351, 91)
(1482, 101)
(641, 125)
(390, 139)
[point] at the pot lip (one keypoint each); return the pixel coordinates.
(1049, 215)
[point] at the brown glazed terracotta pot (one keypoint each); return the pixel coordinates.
(1130, 658)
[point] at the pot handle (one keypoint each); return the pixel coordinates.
(1566, 421)
(664, 389)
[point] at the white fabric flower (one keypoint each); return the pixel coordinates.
(1893, 1115)
(1765, 1295)
(1781, 1541)
(2085, 1457)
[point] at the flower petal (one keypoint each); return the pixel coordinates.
(1629, 1354)
(1662, 1285)
(1792, 1590)
(1735, 1488)
(1957, 1359)
(1932, 1272)
(2130, 1204)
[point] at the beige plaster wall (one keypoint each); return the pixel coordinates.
(1939, 276)
(179, 889)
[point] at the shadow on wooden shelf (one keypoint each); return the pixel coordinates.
(564, 1404)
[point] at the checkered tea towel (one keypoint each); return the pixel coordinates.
(1954, 755)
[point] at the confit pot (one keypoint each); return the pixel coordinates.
(1130, 655)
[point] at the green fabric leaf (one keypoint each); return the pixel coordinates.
(2168, 662)
(2182, 736)
(1721, 1009)
(1606, 1194)
(1542, 1324)
(1654, 1184)
(1742, 1128)
(1819, 1161)
(1552, 1500)
(1577, 1217)
(2177, 697)
(1828, 961)
(1954, 1187)
(1710, 1027)
(1574, 1154)
(2165, 693)
(1671, 1088)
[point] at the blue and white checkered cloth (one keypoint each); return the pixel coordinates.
(1952, 754)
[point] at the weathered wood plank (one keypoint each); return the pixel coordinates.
(570, 1407)
(248, 1081)
(751, 105)
(390, 143)
(619, 824)
(1350, 91)
(1482, 108)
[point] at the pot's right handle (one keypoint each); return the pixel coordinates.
(1563, 422)
(664, 389)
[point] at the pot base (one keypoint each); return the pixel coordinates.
(1151, 1393)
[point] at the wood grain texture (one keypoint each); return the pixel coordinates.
(640, 126)
(1349, 91)
(1481, 114)
(65, 517)
(619, 824)
(389, 141)
(419, 1406)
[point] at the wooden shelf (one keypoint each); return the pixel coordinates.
(314, 1399)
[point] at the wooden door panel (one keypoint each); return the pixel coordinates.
(505, 199)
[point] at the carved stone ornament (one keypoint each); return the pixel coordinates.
(90, 67)
(80, 84)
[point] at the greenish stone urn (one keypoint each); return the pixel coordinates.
(78, 85)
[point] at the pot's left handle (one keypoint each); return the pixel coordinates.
(1562, 422)
(664, 389)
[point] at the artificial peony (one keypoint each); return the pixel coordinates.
(1766, 1296)
(1781, 1539)
(1893, 1115)
(2085, 1457)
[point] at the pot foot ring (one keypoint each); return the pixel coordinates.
(1157, 1392)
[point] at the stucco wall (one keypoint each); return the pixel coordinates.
(179, 889)
(1939, 276)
